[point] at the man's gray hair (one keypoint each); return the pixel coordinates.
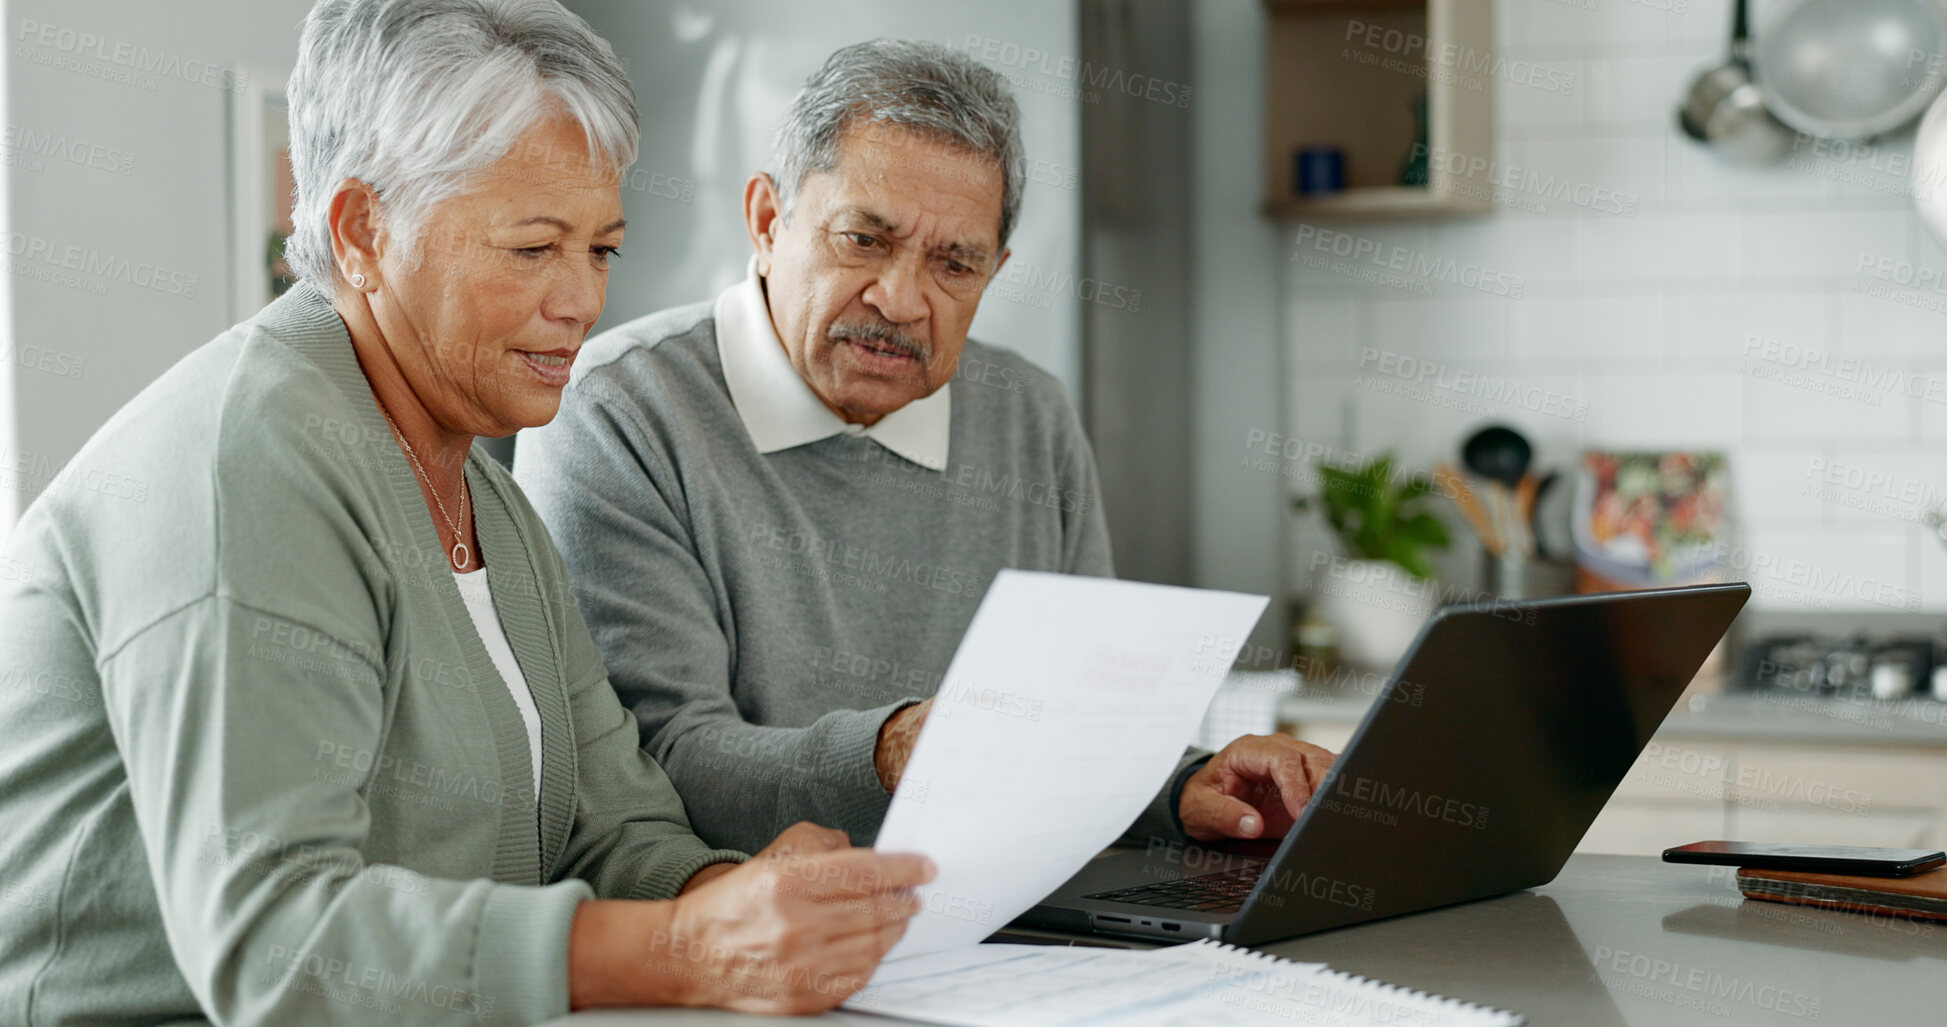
(925, 88)
(410, 96)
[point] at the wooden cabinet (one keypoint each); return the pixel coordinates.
(1349, 75)
(1686, 790)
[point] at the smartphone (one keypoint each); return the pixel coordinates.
(1811, 859)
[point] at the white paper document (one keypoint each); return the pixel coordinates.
(1063, 712)
(1199, 985)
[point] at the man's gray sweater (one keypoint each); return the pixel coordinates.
(763, 614)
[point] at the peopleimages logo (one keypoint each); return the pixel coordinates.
(1431, 805)
(1433, 378)
(1415, 54)
(1529, 182)
(79, 152)
(1414, 266)
(48, 361)
(95, 264)
(134, 59)
(1703, 983)
(1872, 489)
(1030, 59)
(1855, 378)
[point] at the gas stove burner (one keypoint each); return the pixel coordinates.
(1854, 668)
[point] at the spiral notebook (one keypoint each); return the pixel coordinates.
(1206, 983)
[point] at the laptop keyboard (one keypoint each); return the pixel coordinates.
(1221, 892)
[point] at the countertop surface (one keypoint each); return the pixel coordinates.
(1735, 715)
(1613, 940)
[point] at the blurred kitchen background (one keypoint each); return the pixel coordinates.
(1369, 306)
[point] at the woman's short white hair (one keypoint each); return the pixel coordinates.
(409, 96)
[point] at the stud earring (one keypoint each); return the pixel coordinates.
(358, 280)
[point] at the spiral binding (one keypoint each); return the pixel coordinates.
(1422, 999)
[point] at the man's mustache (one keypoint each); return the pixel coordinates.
(884, 333)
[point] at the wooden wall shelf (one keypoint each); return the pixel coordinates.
(1348, 74)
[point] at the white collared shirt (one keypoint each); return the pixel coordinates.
(781, 412)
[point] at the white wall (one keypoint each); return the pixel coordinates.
(1647, 322)
(1238, 367)
(712, 81)
(86, 241)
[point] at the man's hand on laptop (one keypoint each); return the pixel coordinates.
(1254, 788)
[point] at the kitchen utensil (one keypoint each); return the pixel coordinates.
(1852, 69)
(1725, 110)
(1461, 491)
(1542, 488)
(1498, 453)
(1501, 455)
(1524, 512)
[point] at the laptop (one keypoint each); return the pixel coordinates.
(1482, 762)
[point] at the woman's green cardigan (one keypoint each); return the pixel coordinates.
(255, 764)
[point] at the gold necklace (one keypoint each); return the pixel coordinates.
(461, 555)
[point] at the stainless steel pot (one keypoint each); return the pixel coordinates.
(1725, 109)
(1852, 69)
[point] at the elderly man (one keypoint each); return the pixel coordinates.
(781, 508)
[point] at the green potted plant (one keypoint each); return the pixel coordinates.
(1380, 590)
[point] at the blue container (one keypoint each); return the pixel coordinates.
(1319, 170)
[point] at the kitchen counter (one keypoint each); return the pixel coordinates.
(1743, 716)
(1614, 941)
(1746, 766)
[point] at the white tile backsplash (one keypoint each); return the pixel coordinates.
(1321, 407)
(1722, 328)
(1877, 487)
(1577, 330)
(1800, 241)
(1632, 24)
(1634, 331)
(1324, 330)
(1591, 23)
(1829, 571)
(1665, 410)
(1931, 417)
(1778, 490)
(1523, 105)
(1877, 326)
(1600, 174)
(1660, 248)
(1704, 22)
(1443, 331)
(1931, 583)
(1813, 404)
(1696, 172)
(1643, 89)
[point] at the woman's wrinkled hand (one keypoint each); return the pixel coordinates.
(796, 930)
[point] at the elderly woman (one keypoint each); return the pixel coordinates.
(309, 730)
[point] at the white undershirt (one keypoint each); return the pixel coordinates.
(486, 621)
